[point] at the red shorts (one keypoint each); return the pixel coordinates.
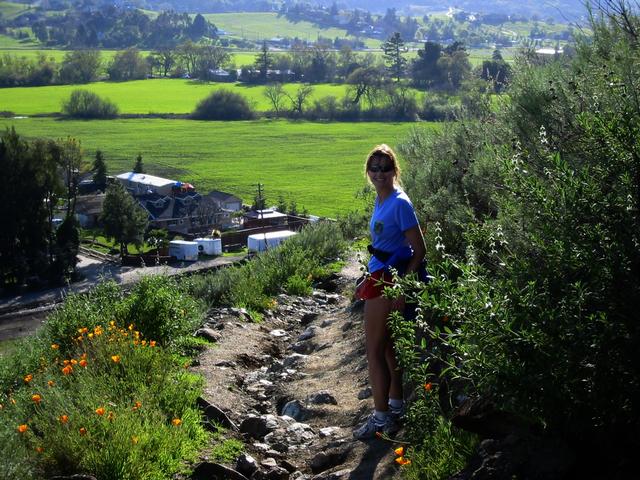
(373, 286)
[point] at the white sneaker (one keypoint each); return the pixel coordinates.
(368, 429)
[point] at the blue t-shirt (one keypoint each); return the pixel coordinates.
(388, 224)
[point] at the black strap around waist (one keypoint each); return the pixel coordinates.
(379, 254)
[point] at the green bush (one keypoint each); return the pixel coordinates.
(223, 105)
(87, 105)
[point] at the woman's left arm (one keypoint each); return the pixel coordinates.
(416, 240)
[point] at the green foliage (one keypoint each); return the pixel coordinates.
(122, 409)
(293, 265)
(128, 65)
(80, 66)
(223, 105)
(99, 169)
(85, 104)
(534, 304)
(227, 451)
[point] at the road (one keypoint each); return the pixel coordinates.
(22, 314)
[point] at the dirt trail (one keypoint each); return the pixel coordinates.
(254, 371)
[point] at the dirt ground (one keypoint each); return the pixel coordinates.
(337, 364)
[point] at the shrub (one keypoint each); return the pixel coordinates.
(85, 104)
(223, 105)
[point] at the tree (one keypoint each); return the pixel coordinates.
(128, 65)
(223, 105)
(393, 49)
(299, 98)
(123, 219)
(364, 82)
(166, 59)
(99, 170)
(67, 246)
(80, 66)
(208, 59)
(139, 166)
(263, 61)
(276, 95)
(86, 104)
(424, 69)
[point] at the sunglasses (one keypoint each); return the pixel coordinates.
(380, 168)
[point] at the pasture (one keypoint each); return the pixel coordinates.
(319, 165)
(162, 95)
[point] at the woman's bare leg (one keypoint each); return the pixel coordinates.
(378, 342)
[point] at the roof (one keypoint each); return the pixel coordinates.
(145, 179)
(222, 196)
(265, 214)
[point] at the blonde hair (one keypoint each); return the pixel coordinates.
(385, 151)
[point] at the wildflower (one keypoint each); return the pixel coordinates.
(115, 358)
(134, 439)
(28, 378)
(176, 422)
(74, 361)
(84, 356)
(83, 363)
(82, 431)
(136, 406)
(143, 343)
(39, 449)
(98, 331)
(55, 346)
(403, 461)
(152, 343)
(90, 336)
(67, 370)
(130, 327)
(428, 387)
(83, 330)
(22, 428)
(399, 451)
(13, 401)
(36, 398)
(65, 362)
(100, 411)
(63, 419)
(51, 383)
(111, 416)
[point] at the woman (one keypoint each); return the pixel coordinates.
(394, 232)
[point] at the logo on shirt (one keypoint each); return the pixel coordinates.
(378, 227)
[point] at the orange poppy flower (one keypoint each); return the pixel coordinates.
(22, 428)
(115, 358)
(403, 461)
(67, 370)
(36, 398)
(399, 451)
(28, 378)
(83, 363)
(39, 449)
(136, 406)
(82, 431)
(100, 411)
(55, 346)
(51, 383)
(428, 387)
(63, 419)
(176, 422)
(152, 343)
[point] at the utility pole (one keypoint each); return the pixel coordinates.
(260, 205)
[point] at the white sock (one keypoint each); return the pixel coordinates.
(380, 417)
(396, 403)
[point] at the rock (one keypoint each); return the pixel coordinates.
(300, 433)
(294, 360)
(215, 471)
(290, 467)
(213, 413)
(278, 333)
(322, 397)
(269, 462)
(481, 416)
(339, 475)
(226, 364)
(329, 459)
(328, 431)
(333, 298)
(326, 323)
(317, 294)
(208, 334)
(258, 426)
(347, 326)
(246, 464)
(310, 332)
(295, 409)
(304, 348)
(307, 318)
(364, 393)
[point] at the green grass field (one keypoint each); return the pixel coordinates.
(142, 96)
(10, 10)
(319, 165)
(261, 26)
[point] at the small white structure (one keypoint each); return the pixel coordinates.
(142, 183)
(259, 242)
(209, 246)
(183, 250)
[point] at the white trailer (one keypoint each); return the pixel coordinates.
(184, 250)
(259, 242)
(209, 246)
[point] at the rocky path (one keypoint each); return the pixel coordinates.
(292, 388)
